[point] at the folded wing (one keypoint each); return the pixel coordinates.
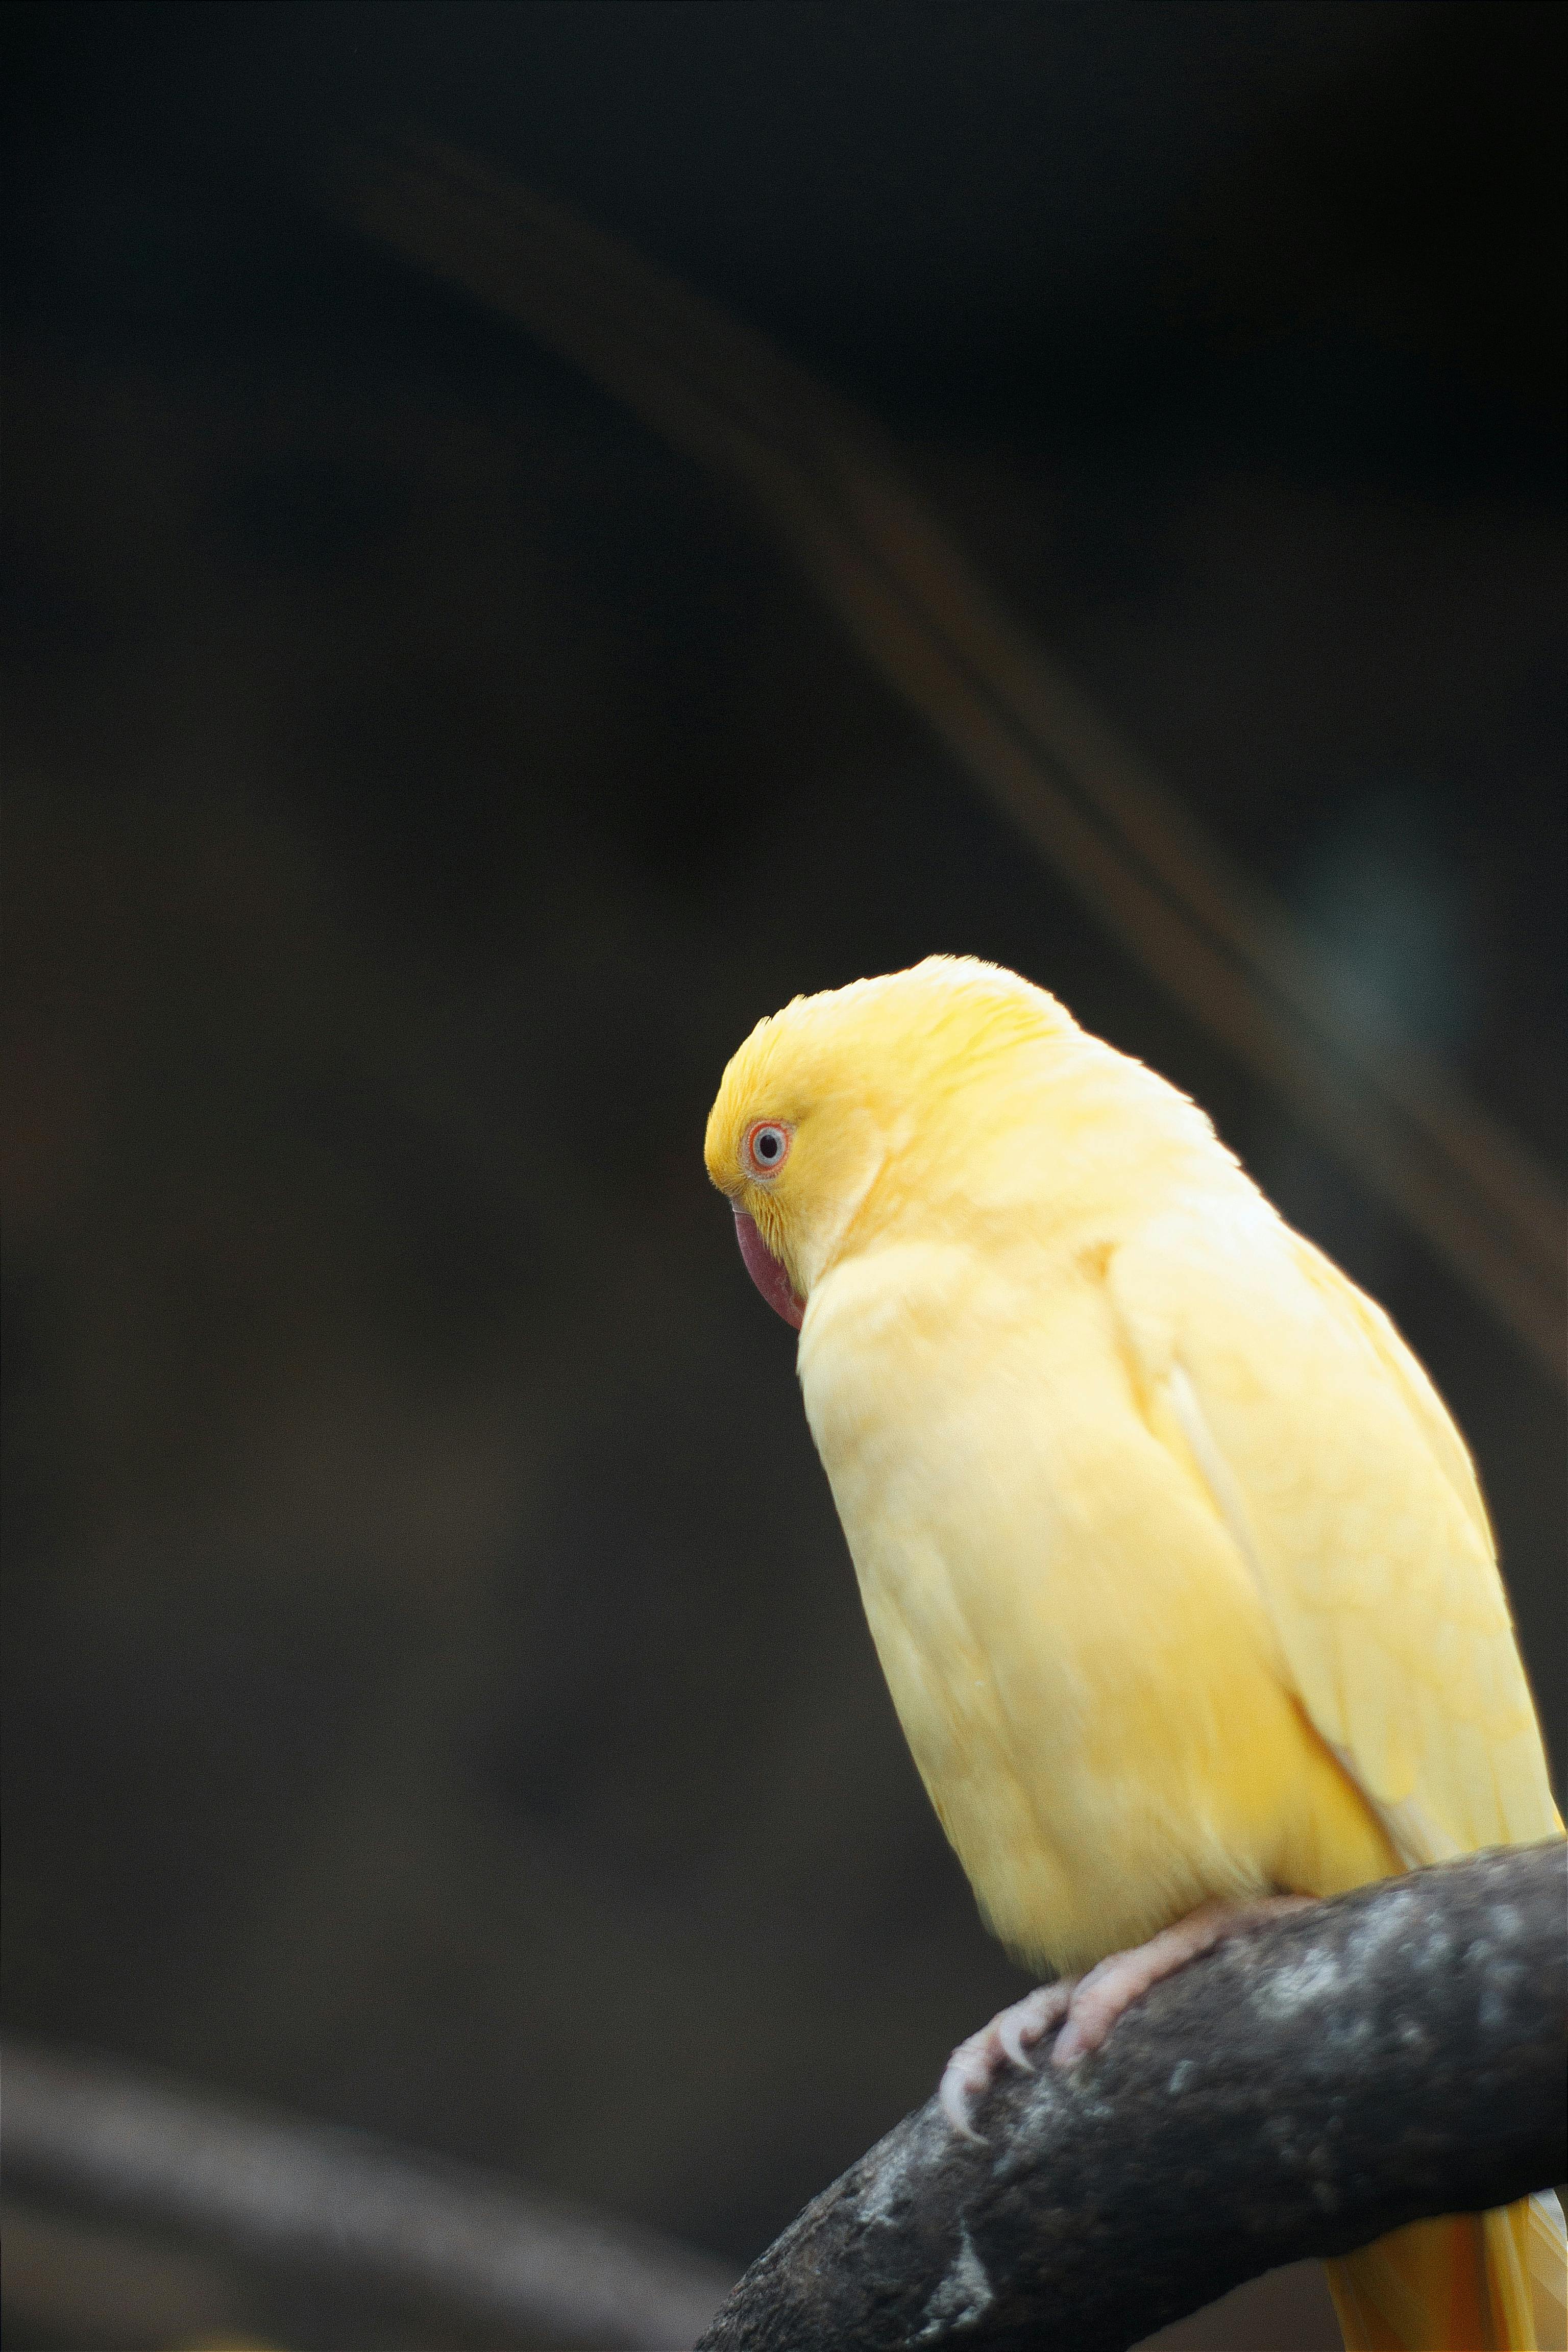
(1329, 1457)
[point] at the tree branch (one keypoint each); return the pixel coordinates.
(1320, 2080)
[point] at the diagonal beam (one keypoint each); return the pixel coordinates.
(286, 2192)
(826, 482)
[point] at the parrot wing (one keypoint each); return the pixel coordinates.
(1329, 1458)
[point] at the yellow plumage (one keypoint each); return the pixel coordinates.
(1175, 1564)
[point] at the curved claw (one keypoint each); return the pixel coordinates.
(1029, 2020)
(976, 2063)
(965, 2078)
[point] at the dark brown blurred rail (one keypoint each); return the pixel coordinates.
(828, 487)
(287, 2192)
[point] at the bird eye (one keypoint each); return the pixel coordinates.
(766, 1147)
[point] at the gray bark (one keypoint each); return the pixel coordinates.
(1320, 2080)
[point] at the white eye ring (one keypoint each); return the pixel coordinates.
(766, 1147)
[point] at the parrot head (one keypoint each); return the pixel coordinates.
(844, 1108)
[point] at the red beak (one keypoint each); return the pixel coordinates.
(766, 1272)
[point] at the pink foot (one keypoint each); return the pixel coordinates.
(1099, 1998)
(1010, 2034)
(1090, 2004)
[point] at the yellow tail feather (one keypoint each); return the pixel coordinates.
(1469, 2283)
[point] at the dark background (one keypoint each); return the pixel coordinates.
(436, 1697)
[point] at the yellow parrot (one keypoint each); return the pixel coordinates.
(1176, 1566)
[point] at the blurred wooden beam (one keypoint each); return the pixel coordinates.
(828, 486)
(292, 2194)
